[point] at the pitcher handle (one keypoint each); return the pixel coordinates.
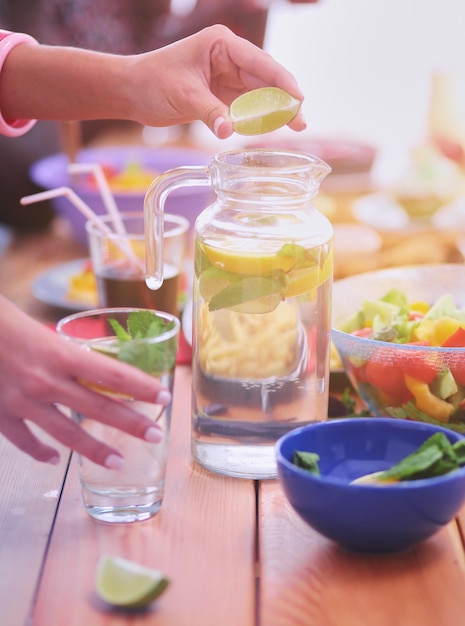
(154, 204)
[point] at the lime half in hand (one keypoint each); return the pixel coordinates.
(127, 584)
(263, 110)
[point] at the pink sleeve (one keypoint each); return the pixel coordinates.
(8, 40)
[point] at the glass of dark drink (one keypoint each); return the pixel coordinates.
(118, 261)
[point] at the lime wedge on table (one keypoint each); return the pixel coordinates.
(124, 583)
(263, 110)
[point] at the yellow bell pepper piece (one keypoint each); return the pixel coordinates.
(420, 307)
(435, 332)
(443, 329)
(426, 401)
(83, 287)
(424, 331)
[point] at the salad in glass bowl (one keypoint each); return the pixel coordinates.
(400, 335)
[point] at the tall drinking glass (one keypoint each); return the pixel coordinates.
(118, 261)
(135, 491)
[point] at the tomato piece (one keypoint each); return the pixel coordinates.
(456, 340)
(389, 379)
(366, 331)
(359, 373)
(109, 171)
(417, 365)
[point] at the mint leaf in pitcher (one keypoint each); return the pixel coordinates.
(264, 292)
(153, 358)
(304, 257)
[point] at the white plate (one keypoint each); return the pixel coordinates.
(51, 287)
(381, 211)
(451, 216)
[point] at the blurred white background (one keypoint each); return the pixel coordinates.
(365, 66)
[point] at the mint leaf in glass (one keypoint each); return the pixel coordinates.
(142, 324)
(119, 331)
(153, 358)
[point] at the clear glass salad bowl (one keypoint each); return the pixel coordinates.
(410, 364)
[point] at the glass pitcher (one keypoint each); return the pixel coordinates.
(263, 259)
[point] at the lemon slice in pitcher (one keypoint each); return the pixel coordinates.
(263, 110)
(124, 583)
(256, 261)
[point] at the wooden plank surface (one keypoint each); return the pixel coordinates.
(204, 536)
(29, 490)
(460, 518)
(29, 498)
(306, 580)
(203, 539)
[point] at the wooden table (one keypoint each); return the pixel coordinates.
(235, 551)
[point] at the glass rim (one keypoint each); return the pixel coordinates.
(108, 311)
(297, 159)
(181, 227)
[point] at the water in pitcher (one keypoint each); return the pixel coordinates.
(260, 362)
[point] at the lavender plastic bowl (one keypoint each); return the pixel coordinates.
(52, 172)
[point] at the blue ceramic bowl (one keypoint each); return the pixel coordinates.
(52, 171)
(367, 518)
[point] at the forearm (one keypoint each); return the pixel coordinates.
(195, 78)
(45, 82)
